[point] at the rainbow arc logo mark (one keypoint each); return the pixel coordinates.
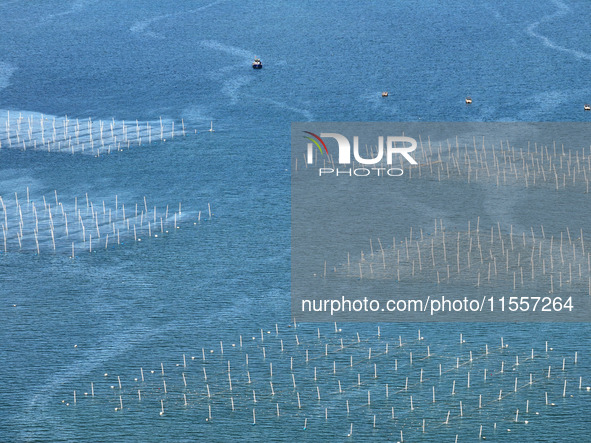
(318, 139)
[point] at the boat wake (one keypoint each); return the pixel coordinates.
(231, 50)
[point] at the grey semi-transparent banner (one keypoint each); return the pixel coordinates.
(440, 221)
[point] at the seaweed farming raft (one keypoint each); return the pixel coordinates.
(37, 131)
(51, 225)
(330, 383)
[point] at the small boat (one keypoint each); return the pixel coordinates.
(587, 107)
(468, 100)
(257, 64)
(385, 94)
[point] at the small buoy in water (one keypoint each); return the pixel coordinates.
(112, 387)
(468, 100)
(587, 107)
(211, 351)
(75, 346)
(233, 345)
(193, 358)
(152, 372)
(526, 422)
(385, 94)
(161, 413)
(588, 388)
(116, 409)
(135, 379)
(86, 393)
(106, 374)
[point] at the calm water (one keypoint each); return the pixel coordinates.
(142, 304)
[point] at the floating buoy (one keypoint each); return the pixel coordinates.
(468, 100)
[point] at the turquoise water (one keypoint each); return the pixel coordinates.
(140, 304)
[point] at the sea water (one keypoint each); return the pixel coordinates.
(67, 321)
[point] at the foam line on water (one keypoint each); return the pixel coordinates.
(304, 112)
(76, 6)
(231, 87)
(109, 348)
(562, 10)
(141, 26)
(231, 50)
(6, 71)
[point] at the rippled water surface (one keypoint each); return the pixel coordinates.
(66, 322)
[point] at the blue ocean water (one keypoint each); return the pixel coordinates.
(142, 304)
